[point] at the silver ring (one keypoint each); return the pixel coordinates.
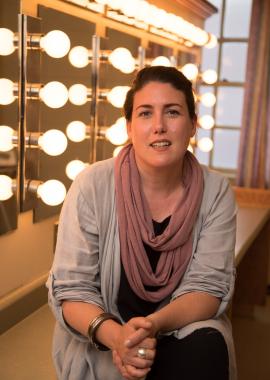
(141, 353)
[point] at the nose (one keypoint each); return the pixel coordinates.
(159, 125)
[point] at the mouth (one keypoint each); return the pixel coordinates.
(160, 144)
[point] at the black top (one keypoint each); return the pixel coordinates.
(129, 304)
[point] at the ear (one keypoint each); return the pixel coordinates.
(129, 129)
(194, 126)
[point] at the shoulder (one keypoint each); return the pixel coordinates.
(93, 184)
(217, 191)
(99, 175)
(100, 170)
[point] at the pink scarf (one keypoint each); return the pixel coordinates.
(136, 227)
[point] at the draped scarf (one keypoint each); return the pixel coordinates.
(136, 227)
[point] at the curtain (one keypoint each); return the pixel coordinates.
(254, 152)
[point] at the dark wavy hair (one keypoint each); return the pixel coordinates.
(160, 74)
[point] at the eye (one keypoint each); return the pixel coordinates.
(172, 112)
(144, 114)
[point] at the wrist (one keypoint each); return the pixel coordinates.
(108, 333)
(98, 331)
(155, 325)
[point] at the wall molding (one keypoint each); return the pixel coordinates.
(23, 301)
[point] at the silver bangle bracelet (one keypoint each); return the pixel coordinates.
(95, 324)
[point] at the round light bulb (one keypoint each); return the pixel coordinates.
(205, 144)
(208, 99)
(76, 131)
(129, 8)
(53, 142)
(209, 76)
(52, 192)
(55, 43)
(78, 94)
(114, 4)
(7, 45)
(206, 121)
(6, 134)
(117, 133)
(117, 96)
(74, 167)
(54, 94)
(122, 60)
(117, 150)
(5, 187)
(161, 61)
(6, 91)
(190, 71)
(212, 42)
(79, 56)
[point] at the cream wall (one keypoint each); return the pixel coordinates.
(26, 253)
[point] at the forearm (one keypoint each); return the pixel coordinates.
(188, 308)
(79, 315)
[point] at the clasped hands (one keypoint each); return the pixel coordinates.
(138, 333)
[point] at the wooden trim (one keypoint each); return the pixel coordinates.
(249, 197)
(22, 302)
(201, 8)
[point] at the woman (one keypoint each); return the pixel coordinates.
(143, 269)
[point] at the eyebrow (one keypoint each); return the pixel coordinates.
(165, 106)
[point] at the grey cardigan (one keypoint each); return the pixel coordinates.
(86, 265)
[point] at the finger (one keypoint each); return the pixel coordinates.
(137, 373)
(137, 337)
(140, 322)
(149, 343)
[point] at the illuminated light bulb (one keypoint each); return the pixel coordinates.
(199, 36)
(52, 192)
(6, 134)
(117, 150)
(6, 91)
(161, 61)
(117, 133)
(5, 187)
(54, 94)
(209, 76)
(53, 142)
(79, 56)
(76, 131)
(117, 96)
(55, 43)
(143, 11)
(74, 167)
(78, 94)
(129, 8)
(206, 121)
(205, 144)
(212, 42)
(114, 4)
(122, 60)
(190, 71)
(7, 41)
(208, 99)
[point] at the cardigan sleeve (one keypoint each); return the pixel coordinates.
(75, 274)
(211, 268)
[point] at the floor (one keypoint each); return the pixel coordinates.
(25, 348)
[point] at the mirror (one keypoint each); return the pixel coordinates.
(9, 117)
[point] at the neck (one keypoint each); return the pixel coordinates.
(160, 180)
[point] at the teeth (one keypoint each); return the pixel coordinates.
(160, 144)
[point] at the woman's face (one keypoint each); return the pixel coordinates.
(160, 127)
